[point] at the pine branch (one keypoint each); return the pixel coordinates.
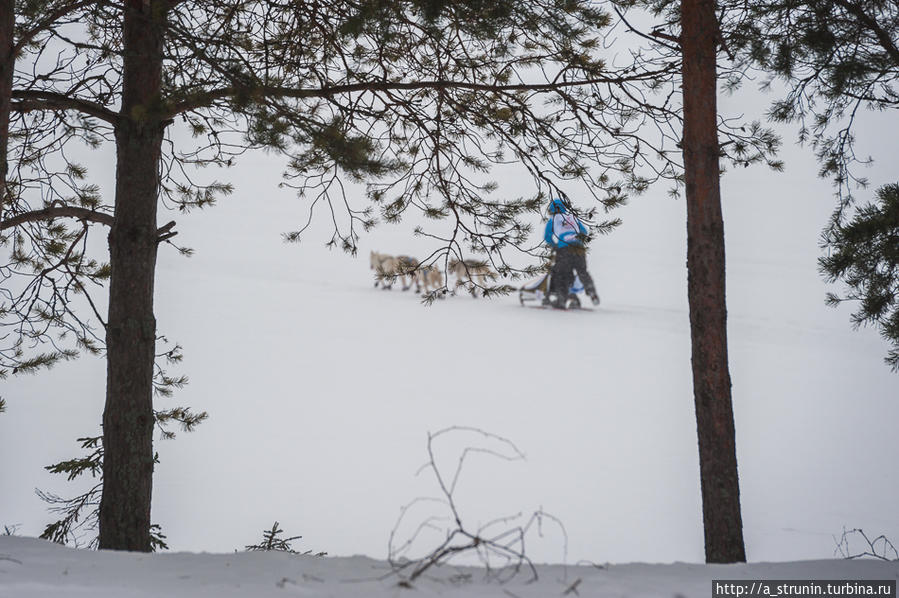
(49, 22)
(58, 212)
(29, 100)
(208, 98)
(886, 41)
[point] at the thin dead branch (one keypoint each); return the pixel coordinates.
(498, 545)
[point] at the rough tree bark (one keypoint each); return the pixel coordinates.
(131, 326)
(706, 271)
(7, 64)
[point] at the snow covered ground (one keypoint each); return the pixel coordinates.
(321, 391)
(35, 569)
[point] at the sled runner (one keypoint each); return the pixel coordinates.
(534, 293)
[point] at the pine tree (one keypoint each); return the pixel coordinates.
(722, 519)
(47, 281)
(411, 97)
(690, 33)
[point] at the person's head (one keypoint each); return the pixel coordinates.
(557, 206)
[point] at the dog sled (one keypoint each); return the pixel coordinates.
(535, 292)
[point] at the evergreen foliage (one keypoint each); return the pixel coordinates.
(79, 515)
(864, 255)
(418, 100)
(742, 144)
(47, 203)
(836, 58)
(272, 542)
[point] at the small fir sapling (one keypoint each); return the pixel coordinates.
(272, 542)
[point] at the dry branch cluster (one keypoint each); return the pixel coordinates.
(878, 548)
(499, 545)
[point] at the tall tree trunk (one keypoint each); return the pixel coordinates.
(131, 328)
(722, 521)
(7, 65)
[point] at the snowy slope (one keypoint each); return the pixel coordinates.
(35, 569)
(321, 391)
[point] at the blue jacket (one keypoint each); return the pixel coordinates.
(563, 228)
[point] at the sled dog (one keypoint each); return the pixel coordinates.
(405, 270)
(428, 278)
(472, 272)
(389, 268)
(384, 265)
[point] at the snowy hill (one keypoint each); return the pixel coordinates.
(321, 391)
(36, 569)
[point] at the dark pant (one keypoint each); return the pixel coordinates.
(568, 261)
